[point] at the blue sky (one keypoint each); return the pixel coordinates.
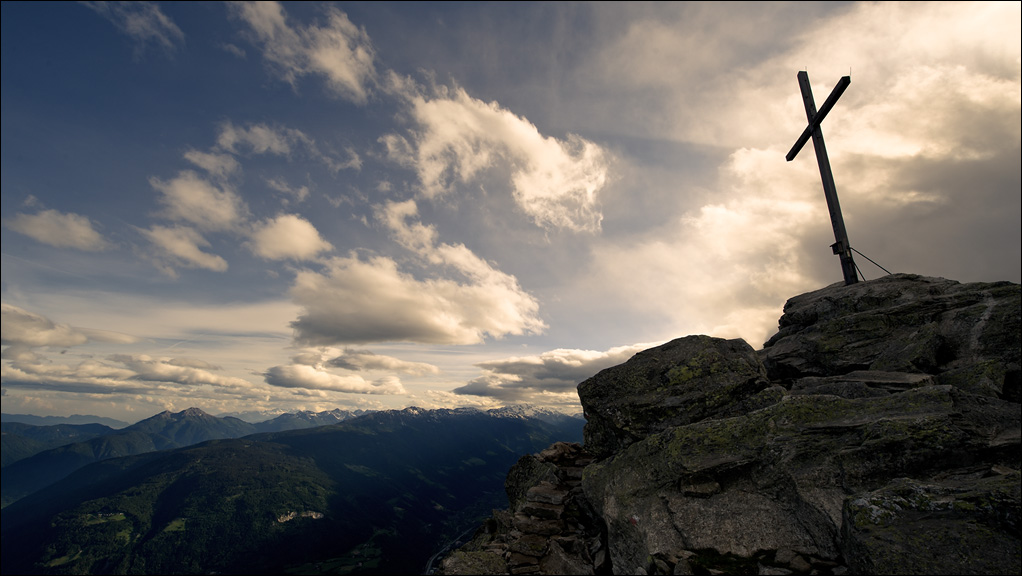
(249, 207)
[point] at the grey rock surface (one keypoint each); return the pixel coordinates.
(681, 382)
(966, 333)
(878, 432)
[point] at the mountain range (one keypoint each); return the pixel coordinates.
(377, 493)
(31, 463)
(54, 420)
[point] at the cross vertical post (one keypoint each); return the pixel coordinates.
(841, 246)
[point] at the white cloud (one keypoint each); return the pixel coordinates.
(339, 51)
(26, 329)
(358, 301)
(318, 378)
(398, 149)
(192, 199)
(287, 237)
(459, 138)
(60, 230)
(904, 57)
(922, 144)
(142, 21)
(364, 360)
(187, 371)
(182, 246)
(422, 239)
(219, 166)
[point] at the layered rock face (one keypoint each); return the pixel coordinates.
(549, 527)
(878, 432)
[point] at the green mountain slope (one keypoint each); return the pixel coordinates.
(385, 490)
(162, 431)
(19, 440)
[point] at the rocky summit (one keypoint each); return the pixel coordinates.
(878, 432)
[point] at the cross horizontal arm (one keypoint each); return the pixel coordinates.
(832, 99)
(806, 134)
(818, 117)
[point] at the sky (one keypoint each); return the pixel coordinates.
(268, 207)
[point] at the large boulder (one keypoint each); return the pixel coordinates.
(964, 525)
(966, 334)
(791, 478)
(879, 432)
(684, 381)
(884, 438)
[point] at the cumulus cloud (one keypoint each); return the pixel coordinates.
(918, 190)
(528, 378)
(144, 22)
(190, 198)
(182, 246)
(287, 236)
(337, 50)
(60, 229)
(360, 301)
(458, 139)
(318, 378)
(401, 218)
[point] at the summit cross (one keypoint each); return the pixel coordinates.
(841, 247)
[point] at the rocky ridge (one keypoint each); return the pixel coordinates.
(878, 431)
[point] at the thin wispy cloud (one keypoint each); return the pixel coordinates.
(336, 50)
(181, 246)
(59, 229)
(556, 372)
(24, 328)
(144, 22)
(316, 378)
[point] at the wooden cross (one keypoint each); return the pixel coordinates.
(841, 246)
